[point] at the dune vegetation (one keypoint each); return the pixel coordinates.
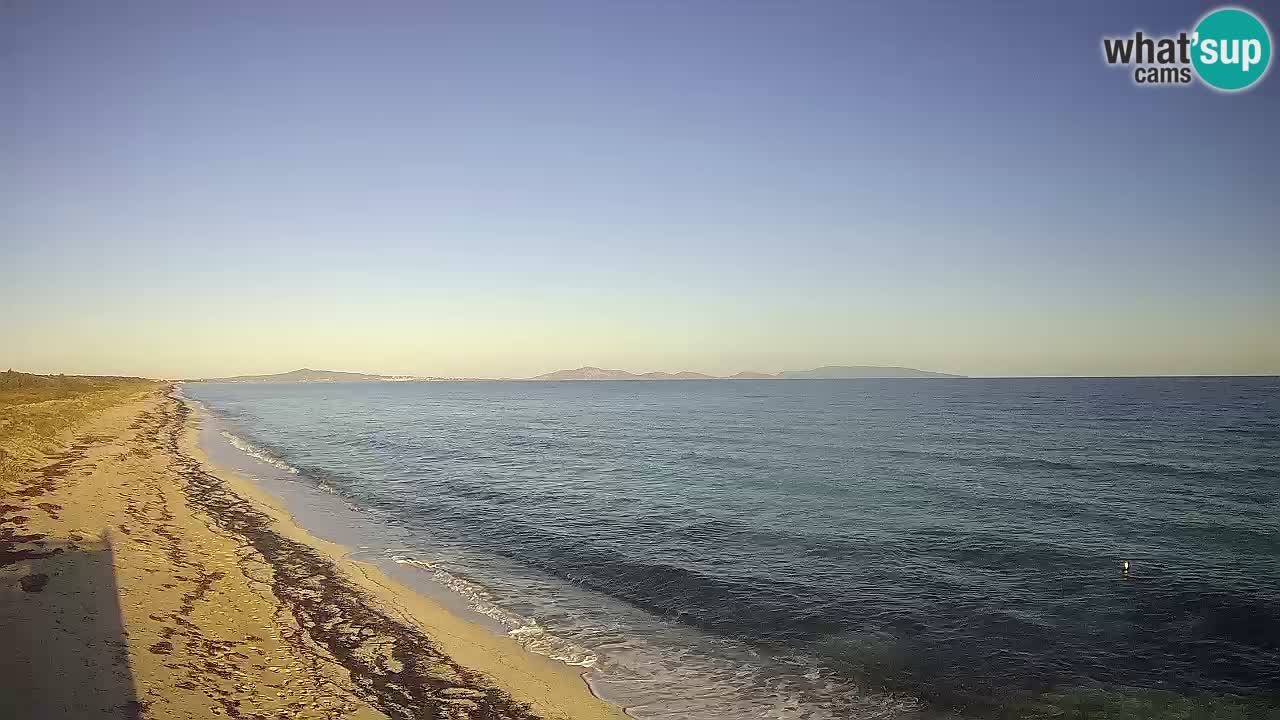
(38, 411)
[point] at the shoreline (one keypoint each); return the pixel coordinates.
(484, 648)
(174, 588)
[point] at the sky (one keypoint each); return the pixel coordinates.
(500, 189)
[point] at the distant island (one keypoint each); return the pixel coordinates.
(828, 372)
(307, 375)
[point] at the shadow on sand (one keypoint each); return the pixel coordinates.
(63, 651)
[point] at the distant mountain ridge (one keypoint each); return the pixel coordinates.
(827, 372)
(843, 372)
(307, 375)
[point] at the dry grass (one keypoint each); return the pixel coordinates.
(39, 412)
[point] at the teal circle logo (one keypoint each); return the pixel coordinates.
(1231, 49)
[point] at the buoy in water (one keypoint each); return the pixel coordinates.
(1124, 567)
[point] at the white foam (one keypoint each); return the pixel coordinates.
(526, 631)
(258, 453)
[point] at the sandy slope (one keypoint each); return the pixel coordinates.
(137, 582)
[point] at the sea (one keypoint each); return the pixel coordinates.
(817, 549)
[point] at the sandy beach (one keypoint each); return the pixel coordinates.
(136, 581)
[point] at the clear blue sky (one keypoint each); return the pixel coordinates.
(479, 188)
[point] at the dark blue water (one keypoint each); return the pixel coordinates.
(817, 549)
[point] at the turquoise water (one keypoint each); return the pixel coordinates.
(826, 549)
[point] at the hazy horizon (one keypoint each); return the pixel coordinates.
(638, 371)
(471, 191)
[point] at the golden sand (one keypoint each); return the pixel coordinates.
(137, 581)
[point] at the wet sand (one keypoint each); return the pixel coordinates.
(136, 581)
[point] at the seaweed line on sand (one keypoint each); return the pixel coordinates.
(394, 665)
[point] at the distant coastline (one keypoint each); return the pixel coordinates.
(827, 372)
(591, 373)
(307, 375)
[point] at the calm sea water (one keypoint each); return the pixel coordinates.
(820, 549)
